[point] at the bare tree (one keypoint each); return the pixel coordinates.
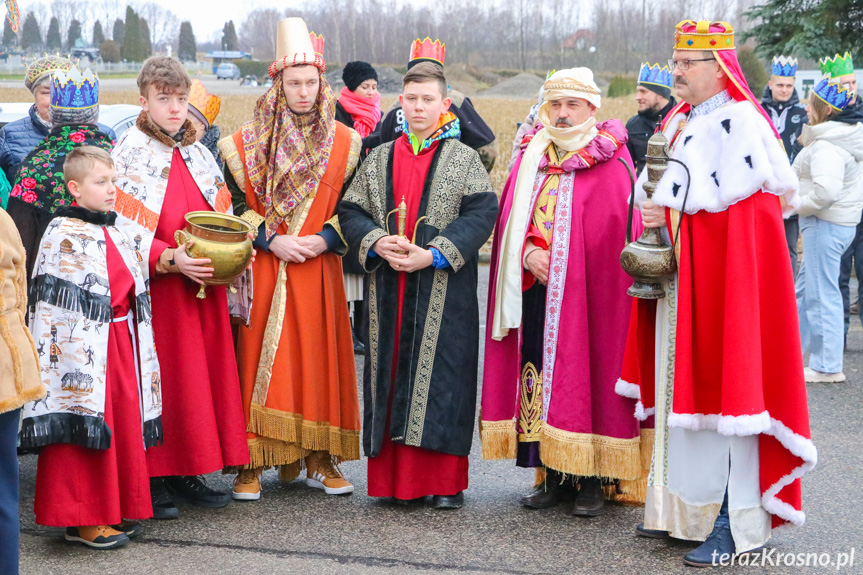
(164, 24)
(258, 32)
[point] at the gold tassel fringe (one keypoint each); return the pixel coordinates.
(287, 437)
(590, 455)
(634, 492)
(499, 439)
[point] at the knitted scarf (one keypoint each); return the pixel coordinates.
(365, 112)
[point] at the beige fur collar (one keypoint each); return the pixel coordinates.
(149, 128)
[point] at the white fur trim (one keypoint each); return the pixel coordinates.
(717, 160)
(641, 414)
(626, 389)
(742, 425)
(798, 445)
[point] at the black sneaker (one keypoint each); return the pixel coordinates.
(163, 504)
(99, 537)
(192, 489)
(132, 529)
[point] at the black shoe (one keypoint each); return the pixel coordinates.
(651, 533)
(132, 529)
(547, 494)
(98, 538)
(408, 502)
(192, 489)
(448, 501)
(590, 500)
(358, 344)
(163, 504)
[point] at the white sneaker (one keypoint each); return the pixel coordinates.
(247, 486)
(813, 376)
(322, 473)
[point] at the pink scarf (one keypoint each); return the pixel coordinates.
(366, 112)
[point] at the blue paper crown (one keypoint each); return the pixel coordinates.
(784, 66)
(74, 90)
(655, 74)
(834, 94)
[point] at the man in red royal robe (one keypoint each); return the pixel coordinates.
(718, 359)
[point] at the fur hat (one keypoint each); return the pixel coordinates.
(355, 73)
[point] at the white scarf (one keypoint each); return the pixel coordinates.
(573, 83)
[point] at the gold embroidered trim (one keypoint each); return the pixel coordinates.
(336, 225)
(460, 173)
(272, 335)
(253, 218)
(374, 326)
(530, 406)
(589, 455)
(499, 439)
(449, 251)
(297, 217)
(353, 153)
(231, 157)
(425, 363)
(367, 244)
(297, 437)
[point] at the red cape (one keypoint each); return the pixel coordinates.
(738, 361)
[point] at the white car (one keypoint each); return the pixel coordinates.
(119, 117)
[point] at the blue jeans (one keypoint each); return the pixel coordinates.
(819, 301)
(852, 258)
(10, 525)
(792, 231)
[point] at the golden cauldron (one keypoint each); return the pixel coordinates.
(223, 239)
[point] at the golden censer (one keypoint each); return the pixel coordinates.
(221, 238)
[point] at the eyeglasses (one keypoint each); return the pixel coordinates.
(685, 65)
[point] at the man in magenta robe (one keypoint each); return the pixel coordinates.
(558, 309)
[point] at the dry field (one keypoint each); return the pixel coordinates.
(502, 116)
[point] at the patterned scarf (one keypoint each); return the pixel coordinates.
(287, 154)
(448, 127)
(40, 178)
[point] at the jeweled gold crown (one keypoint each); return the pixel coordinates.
(428, 50)
(704, 35)
(317, 43)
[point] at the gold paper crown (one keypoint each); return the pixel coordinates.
(206, 103)
(317, 43)
(701, 38)
(428, 50)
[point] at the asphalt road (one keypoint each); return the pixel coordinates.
(295, 529)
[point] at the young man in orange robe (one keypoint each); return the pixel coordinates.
(286, 168)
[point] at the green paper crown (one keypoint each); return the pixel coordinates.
(837, 65)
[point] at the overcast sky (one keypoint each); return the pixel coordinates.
(208, 16)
